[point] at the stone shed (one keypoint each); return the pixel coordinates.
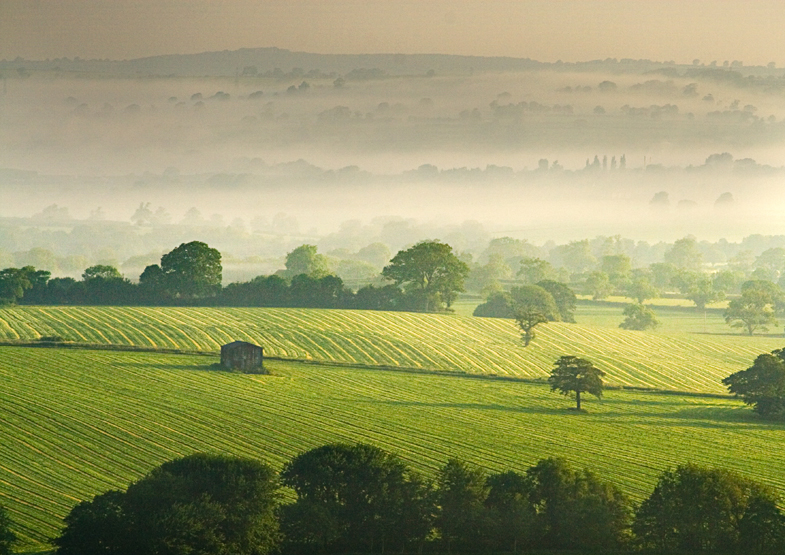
(244, 356)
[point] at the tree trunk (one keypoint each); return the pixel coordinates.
(578, 399)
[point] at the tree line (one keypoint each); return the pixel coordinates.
(358, 498)
(425, 277)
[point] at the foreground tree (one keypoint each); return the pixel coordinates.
(696, 509)
(7, 537)
(462, 491)
(430, 272)
(200, 504)
(511, 514)
(638, 317)
(573, 375)
(762, 385)
(575, 509)
(354, 498)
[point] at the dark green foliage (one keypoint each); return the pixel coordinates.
(96, 527)
(192, 270)
(430, 273)
(260, 291)
(762, 385)
(576, 375)
(511, 515)
(575, 509)
(563, 296)
(7, 537)
(462, 491)
(695, 509)
(498, 305)
(638, 317)
(15, 281)
(354, 498)
(388, 297)
(200, 504)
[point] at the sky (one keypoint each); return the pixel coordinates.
(545, 30)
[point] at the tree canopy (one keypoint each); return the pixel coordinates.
(696, 509)
(573, 375)
(430, 272)
(192, 270)
(752, 311)
(762, 385)
(199, 504)
(638, 317)
(354, 497)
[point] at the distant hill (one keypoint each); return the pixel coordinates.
(278, 61)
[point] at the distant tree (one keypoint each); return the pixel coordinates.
(101, 271)
(703, 292)
(762, 385)
(461, 494)
(498, 305)
(576, 256)
(639, 317)
(533, 270)
(752, 311)
(536, 298)
(573, 375)
(197, 504)
(616, 266)
(694, 509)
(685, 254)
(7, 537)
(598, 285)
(575, 509)
(305, 260)
(387, 297)
(430, 273)
(483, 278)
(192, 270)
(564, 298)
(641, 290)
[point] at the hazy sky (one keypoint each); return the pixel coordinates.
(547, 30)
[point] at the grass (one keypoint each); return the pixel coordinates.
(669, 359)
(79, 422)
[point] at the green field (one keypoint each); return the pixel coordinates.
(667, 360)
(78, 422)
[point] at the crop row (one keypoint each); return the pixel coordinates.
(79, 422)
(686, 362)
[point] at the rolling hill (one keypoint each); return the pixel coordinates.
(666, 361)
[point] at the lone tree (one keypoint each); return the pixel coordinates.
(429, 272)
(528, 319)
(191, 271)
(576, 375)
(752, 311)
(762, 385)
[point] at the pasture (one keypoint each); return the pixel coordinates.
(79, 422)
(664, 360)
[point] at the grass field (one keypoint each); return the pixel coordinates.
(668, 360)
(78, 422)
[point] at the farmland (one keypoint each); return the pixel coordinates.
(78, 422)
(667, 360)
